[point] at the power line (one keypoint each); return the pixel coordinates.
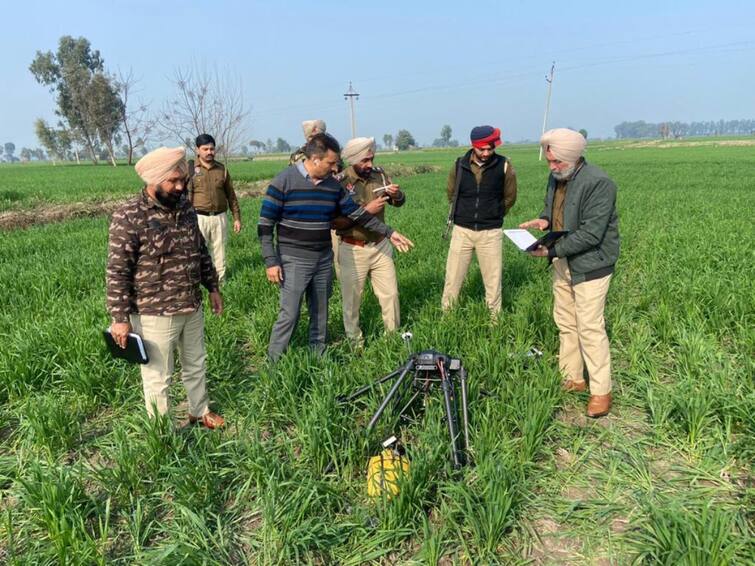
(350, 95)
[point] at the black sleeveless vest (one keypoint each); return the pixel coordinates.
(481, 207)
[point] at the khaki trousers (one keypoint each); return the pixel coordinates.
(161, 335)
(578, 313)
(335, 241)
(215, 232)
(357, 263)
(487, 244)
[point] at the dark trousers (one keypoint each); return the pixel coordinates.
(303, 276)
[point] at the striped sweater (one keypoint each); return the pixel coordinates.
(301, 212)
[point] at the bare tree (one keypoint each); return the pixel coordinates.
(205, 102)
(137, 125)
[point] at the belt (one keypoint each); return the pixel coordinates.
(360, 243)
(208, 213)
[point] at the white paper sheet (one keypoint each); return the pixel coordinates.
(521, 238)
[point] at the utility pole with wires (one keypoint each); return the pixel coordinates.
(350, 95)
(549, 80)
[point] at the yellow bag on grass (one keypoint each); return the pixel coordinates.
(384, 471)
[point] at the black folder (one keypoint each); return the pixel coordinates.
(134, 351)
(548, 240)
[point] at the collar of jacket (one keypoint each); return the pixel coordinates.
(466, 161)
(215, 163)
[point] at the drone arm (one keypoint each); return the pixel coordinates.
(394, 388)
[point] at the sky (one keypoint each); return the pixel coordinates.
(417, 65)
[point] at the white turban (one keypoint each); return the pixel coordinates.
(357, 149)
(157, 165)
(309, 126)
(566, 145)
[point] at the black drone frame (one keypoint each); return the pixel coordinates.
(427, 368)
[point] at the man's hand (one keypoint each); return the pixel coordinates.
(376, 205)
(538, 224)
(401, 242)
(236, 226)
(541, 251)
(120, 331)
(392, 190)
(216, 302)
(275, 274)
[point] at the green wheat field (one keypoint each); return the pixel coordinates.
(667, 478)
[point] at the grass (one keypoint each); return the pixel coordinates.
(85, 477)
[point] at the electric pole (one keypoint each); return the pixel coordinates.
(350, 95)
(549, 80)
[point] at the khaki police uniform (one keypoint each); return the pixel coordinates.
(363, 253)
(211, 192)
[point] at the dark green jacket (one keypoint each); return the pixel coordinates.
(592, 246)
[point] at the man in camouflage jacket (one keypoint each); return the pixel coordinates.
(157, 259)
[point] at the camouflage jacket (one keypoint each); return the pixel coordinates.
(298, 155)
(157, 259)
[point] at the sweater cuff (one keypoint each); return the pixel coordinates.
(272, 261)
(552, 252)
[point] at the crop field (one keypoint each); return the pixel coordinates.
(666, 478)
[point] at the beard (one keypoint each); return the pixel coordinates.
(168, 200)
(565, 174)
(363, 172)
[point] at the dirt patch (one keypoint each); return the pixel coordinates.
(564, 458)
(14, 219)
(549, 547)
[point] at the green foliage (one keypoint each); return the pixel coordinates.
(405, 140)
(86, 477)
(693, 535)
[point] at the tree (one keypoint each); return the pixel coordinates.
(137, 125)
(281, 146)
(56, 142)
(205, 103)
(10, 147)
(70, 72)
(445, 134)
(25, 154)
(388, 141)
(257, 145)
(583, 132)
(106, 110)
(405, 140)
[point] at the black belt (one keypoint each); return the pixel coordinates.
(207, 213)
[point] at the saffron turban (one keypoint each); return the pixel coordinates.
(482, 136)
(309, 127)
(566, 145)
(157, 165)
(357, 149)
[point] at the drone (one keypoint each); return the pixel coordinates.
(420, 372)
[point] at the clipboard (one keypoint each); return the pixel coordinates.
(134, 352)
(528, 243)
